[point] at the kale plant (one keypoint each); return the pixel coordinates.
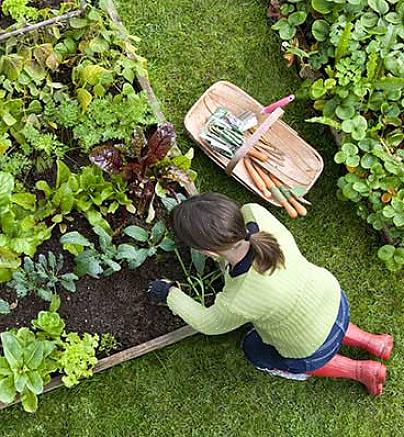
(41, 277)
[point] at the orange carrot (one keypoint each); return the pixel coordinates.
(258, 155)
(259, 183)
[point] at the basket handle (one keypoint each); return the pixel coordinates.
(254, 138)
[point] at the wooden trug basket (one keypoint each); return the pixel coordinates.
(302, 164)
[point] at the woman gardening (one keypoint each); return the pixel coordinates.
(299, 313)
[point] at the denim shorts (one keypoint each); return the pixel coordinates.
(265, 357)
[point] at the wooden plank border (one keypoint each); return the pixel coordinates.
(158, 342)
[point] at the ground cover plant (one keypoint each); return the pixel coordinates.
(203, 386)
(358, 48)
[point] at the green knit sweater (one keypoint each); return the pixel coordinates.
(292, 309)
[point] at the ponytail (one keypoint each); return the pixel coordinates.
(268, 254)
(213, 222)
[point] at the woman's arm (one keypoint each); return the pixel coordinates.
(217, 319)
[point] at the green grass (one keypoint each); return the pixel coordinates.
(203, 386)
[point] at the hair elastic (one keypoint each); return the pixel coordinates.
(248, 236)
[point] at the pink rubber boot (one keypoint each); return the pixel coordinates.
(371, 374)
(378, 345)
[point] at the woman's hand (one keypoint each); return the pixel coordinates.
(159, 289)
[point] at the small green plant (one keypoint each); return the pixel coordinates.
(108, 343)
(78, 358)
(19, 10)
(25, 367)
(199, 284)
(89, 260)
(149, 242)
(41, 277)
(87, 192)
(21, 232)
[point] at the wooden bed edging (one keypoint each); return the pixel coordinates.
(125, 355)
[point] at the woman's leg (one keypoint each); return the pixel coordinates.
(371, 374)
(265, 358)
(378, 345)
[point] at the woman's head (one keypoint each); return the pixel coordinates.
(212, 222)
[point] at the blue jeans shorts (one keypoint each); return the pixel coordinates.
(265, 357)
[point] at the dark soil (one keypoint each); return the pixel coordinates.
(118, 304)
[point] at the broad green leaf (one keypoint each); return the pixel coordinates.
(198, 260)
(7, 390)
(35, 382)
(167, 245)
(137, 233)
(139, 260)
(29, 401)
(379, 6)
(20, 381)
(157, 232)
(8, 259)
(322, 6)
(78, 23)
(340, 157)
(63, 173)
(297, 18)
(389, 83)
(12, 350)
(127, 251)
(105, 238)
(386, 252)
(75, 238)
(320, 30)
(35, 71)
(5, 369)
(33, 355)
(25, 200)
(93, 74)
(84, 98)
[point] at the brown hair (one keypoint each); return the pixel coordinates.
(214, 222)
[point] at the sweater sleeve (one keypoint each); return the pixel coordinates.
(215, 320)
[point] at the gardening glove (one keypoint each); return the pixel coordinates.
(159, 289)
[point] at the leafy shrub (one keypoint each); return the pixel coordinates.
(358, 46)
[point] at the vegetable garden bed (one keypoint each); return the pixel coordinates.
(110, 227)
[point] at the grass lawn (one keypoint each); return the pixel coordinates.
(203, 386)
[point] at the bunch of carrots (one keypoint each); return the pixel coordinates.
(270, 186)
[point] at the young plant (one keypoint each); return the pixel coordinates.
(87, 192)
(108, 343)
(20, 229)
(90, 261)
(134, 162)
(42, 277)
(199, 283)
(150, 242)
(25, 367)
(78, 358)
